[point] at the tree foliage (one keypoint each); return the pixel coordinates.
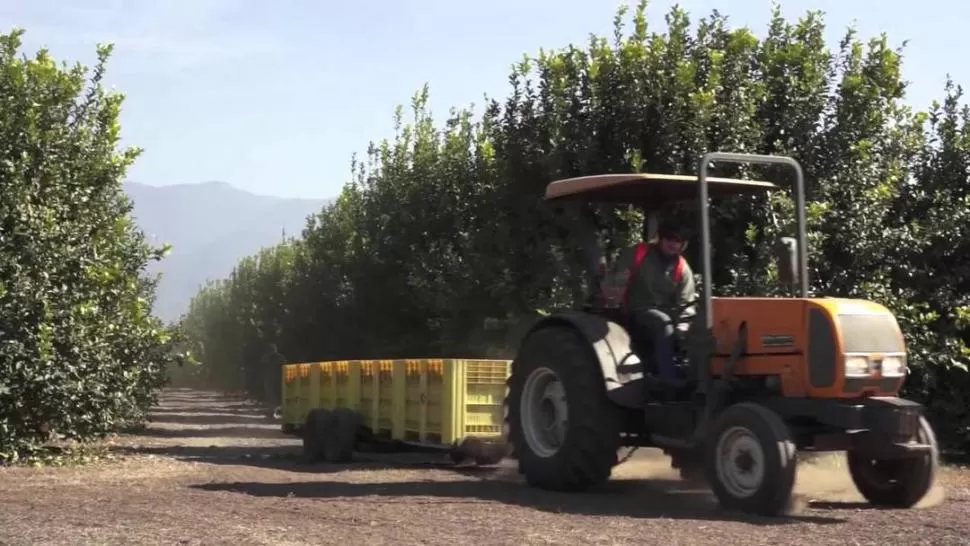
(80, 353)
(440, 243)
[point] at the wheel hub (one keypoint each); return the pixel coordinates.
(544, 412)
(744, 461)
(740, 462)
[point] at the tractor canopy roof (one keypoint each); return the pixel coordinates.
(655, 190)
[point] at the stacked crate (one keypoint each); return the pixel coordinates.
(426, 400)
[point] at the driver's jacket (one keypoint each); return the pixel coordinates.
(657, 283)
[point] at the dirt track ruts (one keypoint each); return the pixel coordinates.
(212, 470)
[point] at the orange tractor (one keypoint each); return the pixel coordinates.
(766, 376)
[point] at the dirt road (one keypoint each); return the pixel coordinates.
(210, 470)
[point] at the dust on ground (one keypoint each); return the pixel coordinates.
(215, 470)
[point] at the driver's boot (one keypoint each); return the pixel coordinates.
(655, 387)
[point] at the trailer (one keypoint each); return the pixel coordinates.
(452, 406)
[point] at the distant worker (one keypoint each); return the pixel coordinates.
(654, 285)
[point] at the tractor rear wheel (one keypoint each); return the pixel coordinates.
(897, 483)
(751, 460)
(564, 429)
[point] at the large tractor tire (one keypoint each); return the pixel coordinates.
(751, 460)
(564, 429)
(897, 483)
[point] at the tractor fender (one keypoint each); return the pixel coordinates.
(610, 344)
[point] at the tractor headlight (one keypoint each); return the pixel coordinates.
(894, 366)
(856, 366)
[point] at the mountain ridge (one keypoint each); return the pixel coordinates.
(211, 226)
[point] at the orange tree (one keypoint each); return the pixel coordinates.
(80, 353)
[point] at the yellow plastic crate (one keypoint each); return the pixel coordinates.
(347, 384)
(327, 393)
(302, 385)
(303, 390)
(434, 401)
(485, 396)
(290, 395)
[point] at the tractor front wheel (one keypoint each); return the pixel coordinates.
(751, 460)
(564, 429)
(897, 483)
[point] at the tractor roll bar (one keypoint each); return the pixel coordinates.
(705, 213)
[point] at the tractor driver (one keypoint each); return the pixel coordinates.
(660, 287)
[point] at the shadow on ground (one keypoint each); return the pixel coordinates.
(212, 432)
(193, 415)
(211, 418)
(178, 404)
(655, 498)
(844, 505)
(290, 459)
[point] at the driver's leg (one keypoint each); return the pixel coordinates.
(654, 327)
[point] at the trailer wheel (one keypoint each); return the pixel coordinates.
(316, 432)
(492, 453)
(564, 429)
(457, 453)
(481, 451)
(751, 460)
(897, 483)
(339, 448)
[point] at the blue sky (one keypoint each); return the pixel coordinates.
(275, 97)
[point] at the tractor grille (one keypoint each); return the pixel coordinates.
(871, 334)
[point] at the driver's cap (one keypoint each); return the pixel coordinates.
(672, 229)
